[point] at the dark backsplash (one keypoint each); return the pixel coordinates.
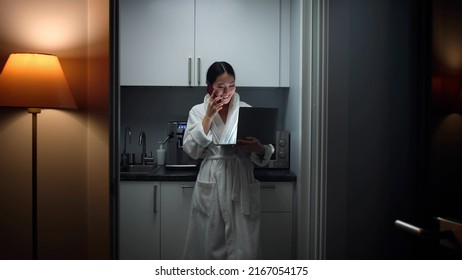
(150, 108)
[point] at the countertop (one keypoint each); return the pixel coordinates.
(190, 174)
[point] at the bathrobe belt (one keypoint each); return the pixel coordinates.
(240, 188)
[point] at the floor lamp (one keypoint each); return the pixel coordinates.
(34, 81)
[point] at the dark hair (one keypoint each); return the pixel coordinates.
(217, 69)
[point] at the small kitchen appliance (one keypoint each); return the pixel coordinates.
(281, 156)
(176, 157)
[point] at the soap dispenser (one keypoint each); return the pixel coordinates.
(161, 154)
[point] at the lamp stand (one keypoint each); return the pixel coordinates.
(34, 112)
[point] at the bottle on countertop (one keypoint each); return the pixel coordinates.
(161, 154)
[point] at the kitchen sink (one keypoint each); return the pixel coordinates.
(139, 168)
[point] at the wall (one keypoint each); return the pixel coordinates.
(65, 138)
(372, 126)
(337, 218)
(98, 196)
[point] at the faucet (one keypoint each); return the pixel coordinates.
(125, 157)
(144, 157)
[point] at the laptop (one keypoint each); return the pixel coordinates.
(258, 122)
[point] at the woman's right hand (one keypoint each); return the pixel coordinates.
(213, 107)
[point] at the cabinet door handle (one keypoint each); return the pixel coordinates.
(189, 70)
(155, 198)
(198, 71)
(187, 187)
(268, 186)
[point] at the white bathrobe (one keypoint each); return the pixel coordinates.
(225, 208)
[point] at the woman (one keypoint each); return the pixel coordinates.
(225, 208)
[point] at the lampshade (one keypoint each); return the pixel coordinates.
(34, 81)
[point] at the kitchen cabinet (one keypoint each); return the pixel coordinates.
(277, 220)
(156, 42)
(157, 230)
(139, 220)
(172, 43)
(244, 33)
(153, 218)
(176, 202)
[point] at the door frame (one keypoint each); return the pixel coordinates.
(319, 127)
(314, 123)
(315, 30)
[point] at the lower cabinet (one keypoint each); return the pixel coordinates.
(277, 221)
(153, 218)
(139, 220)
(176, 202)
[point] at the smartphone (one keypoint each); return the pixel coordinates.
(209, 89)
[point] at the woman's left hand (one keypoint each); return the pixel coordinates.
(251, 144)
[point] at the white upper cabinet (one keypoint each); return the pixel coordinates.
(173, 42)
(242, 32)
(156, 40)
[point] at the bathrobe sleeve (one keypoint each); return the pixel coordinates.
(195, 140)
(262, 161)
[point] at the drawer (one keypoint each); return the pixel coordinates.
(276, 196)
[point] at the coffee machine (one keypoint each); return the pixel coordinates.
(176, 157)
